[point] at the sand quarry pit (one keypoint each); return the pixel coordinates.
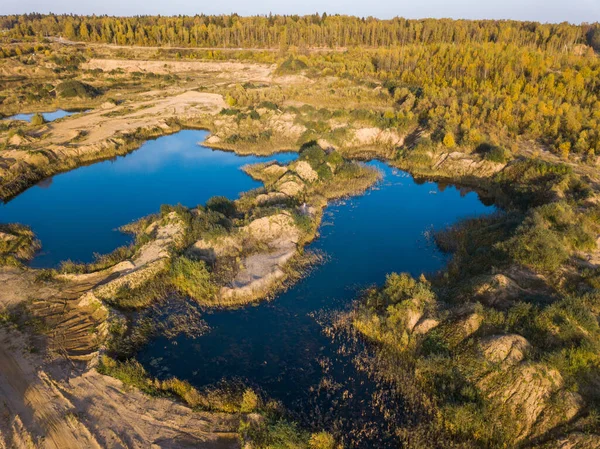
(237, 71)
(105, 123)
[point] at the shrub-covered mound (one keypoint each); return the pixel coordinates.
(74, 88)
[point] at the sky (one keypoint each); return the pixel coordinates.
(574, 11)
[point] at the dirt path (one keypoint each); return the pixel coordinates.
(63, 41)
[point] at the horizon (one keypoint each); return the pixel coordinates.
(554, 11)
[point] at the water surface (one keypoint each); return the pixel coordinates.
(78, 213)
(48, 116)
(279, 346)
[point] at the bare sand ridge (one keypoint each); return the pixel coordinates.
(51, 404)
(102, 124)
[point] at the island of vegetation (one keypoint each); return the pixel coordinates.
(500, 349)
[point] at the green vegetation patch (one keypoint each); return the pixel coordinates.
(74, 88)
(192, 278)
(291, 65)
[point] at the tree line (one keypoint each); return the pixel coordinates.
(317, 30)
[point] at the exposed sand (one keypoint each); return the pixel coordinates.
(152, 112)
(224, 70)
(51, 404)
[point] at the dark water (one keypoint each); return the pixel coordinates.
(280, 347)
(76, 214)
(49, 116)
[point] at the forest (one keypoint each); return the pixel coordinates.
(317, 30)
(469, 82)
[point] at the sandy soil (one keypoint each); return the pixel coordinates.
(53, 404)
(223, 70)
(148, 113)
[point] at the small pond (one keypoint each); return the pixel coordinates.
(48, 116)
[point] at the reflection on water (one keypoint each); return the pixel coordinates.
(45, 183)
(76, 214)
(279, 346)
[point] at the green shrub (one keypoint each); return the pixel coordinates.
(313, 154)
(38, 119)
(493, 153)
(192, 278)
(538, 248)
(226, 111)
(291, 65)
(335, 159)
(130, 372)
(74, 88)
(221, 205)
(268, 105)
(324, 173)
(549, 234)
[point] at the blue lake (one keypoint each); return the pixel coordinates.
(78, 213)
(48, 116)
(277, 346)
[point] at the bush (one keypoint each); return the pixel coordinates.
(184, 390)
(313, 154)
(226, 111)
(74, 88)
(321, 440)
(131, 373)
(493, 153)
(221, 205)
(250, 401)
(38, 119)
(268, 105)
(549, 234)
(192, 278)
(324, 173)
(291, 65)
(335, 159)
(538, 248)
